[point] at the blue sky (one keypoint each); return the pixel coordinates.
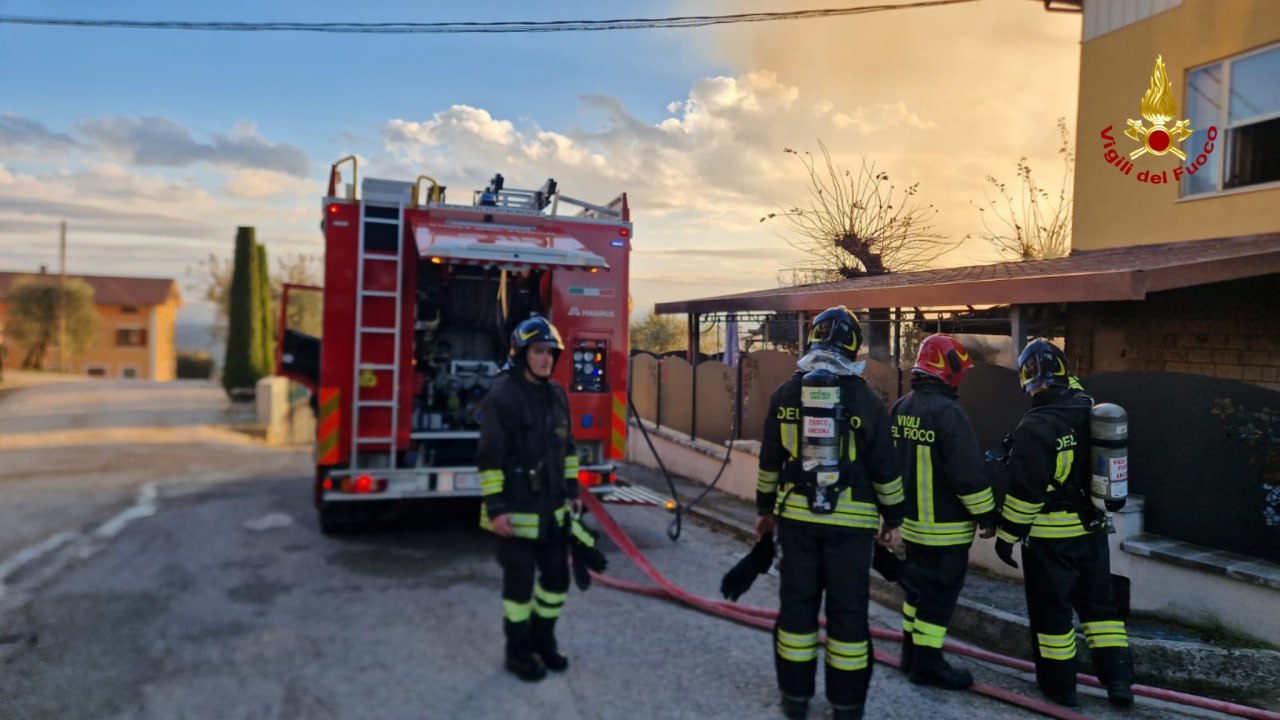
(155, 145)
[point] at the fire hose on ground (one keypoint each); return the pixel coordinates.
(764, 618)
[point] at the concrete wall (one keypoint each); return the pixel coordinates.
(1113, 209)
(286, 421)
(1226, 330)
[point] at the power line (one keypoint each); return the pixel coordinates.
(440, 28)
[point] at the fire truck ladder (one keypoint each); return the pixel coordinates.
(381, 241)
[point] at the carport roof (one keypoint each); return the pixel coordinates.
(1128, 273)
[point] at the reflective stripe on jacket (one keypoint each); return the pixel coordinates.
(943, 476)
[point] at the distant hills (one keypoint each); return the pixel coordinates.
(196, 337)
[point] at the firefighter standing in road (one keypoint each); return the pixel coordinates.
(827, 530)
(1064, 538)
(947, 496)
(529, 479)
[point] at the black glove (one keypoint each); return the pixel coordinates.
(888, 564)
(586, 557)
(739, 578)
(1004, 551)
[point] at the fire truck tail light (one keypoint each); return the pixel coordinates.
(328, 483)
(624, 232)
(363, 485)
(333, 208)
(588, 477)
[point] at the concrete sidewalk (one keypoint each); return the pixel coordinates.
(992, 614)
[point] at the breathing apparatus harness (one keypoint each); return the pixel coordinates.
(819, 470)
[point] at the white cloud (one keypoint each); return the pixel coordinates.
(161, 142)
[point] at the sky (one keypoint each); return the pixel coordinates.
(155, 145)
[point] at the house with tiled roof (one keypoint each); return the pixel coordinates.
(136, 330)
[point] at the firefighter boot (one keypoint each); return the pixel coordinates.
(1114, 667)
(852, 712)
(521, 661)
(930, 668)
(794, 708)
(908, 654)
(544, 644)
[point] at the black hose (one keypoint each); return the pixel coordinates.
(677, 523)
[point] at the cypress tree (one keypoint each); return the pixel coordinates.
(267, 335)
(238, 365)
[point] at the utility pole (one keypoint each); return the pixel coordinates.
(62, 298)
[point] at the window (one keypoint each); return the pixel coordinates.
(96, 371)
(128, 310)
(129, 373)
(1241, 97)
(131, 337)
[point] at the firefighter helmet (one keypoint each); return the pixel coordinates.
(836, 329)
(943, 357)
(1042, 365)
(534, 331)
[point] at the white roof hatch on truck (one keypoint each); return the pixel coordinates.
(506, 248)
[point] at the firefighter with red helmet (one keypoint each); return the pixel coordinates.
(828, 471)
(1065, 553)
(948, 496)
(529, 480)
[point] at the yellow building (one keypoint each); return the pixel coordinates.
(1222, 62)
(136, 332)
(1218, 61)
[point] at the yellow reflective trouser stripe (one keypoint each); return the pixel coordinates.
(797, 648)
(1063, 524)
(571, 467)
(890, 493)
(848, 513)
(928, 635)
(789, 438)
(847, 655)
(908, 617)
(547, 604)
(490, 482)
(524, 525)
(1057, 647)
(516, 612)
(924, 483)
(1063, 469)
(980, 502)
(1005, 535)
(953, 533)
(1106, 633)
(1019, 511)
(766, 482)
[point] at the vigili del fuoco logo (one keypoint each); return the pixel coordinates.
(1158, 107)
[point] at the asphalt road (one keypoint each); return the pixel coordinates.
(213, 595)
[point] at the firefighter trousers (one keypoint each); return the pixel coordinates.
(535, 582)
(1062, 574)
(932, 579)
(818, 560)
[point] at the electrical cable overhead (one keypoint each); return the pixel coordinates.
(441, 28)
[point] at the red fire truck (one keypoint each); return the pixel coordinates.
(411, 328)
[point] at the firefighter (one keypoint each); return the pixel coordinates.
(826, 530)
(948, 495)
(1064, 538)
(529, 479)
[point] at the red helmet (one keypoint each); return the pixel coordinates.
(943, 357)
